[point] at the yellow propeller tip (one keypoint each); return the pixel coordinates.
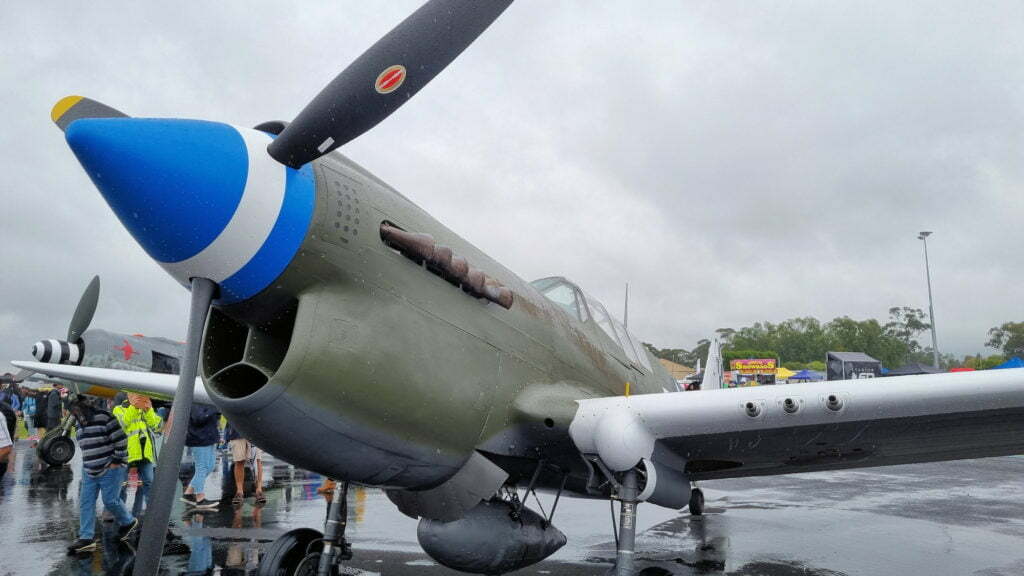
(63, 105)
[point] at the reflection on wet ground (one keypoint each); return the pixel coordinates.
(951, 518)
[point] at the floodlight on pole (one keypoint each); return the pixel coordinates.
(923, 237)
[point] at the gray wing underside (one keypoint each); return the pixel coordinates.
(151, 384)
(880, 422)
(852, 445)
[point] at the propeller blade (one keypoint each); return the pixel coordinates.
(85, 310)
(384, 77)
(71, 108)
(154, 529)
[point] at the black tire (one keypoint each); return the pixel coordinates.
(309, 565)
(46, 439)
(696, 502)
(284, 555)
(57, 450)
(655, 571)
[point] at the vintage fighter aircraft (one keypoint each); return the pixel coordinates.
(95, 347)
(347, 331)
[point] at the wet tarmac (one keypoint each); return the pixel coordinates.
(951, 518)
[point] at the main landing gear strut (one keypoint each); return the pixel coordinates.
(625, 545)
(336, 548)
(306, 552)
(625, 541)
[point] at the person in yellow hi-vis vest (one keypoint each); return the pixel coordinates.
(140, 422)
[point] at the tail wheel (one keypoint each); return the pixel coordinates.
(285, 556)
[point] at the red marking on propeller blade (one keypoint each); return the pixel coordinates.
(390, 79)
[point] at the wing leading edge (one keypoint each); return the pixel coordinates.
(808, 427)
(160, 386)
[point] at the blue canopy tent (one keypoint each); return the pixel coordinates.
(806, 375)
(1014, 362)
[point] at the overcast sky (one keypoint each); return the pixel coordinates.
(733, 161)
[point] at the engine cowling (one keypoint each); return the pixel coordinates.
(488, 540)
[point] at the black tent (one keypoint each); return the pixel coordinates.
(914, 368)
(851, 366)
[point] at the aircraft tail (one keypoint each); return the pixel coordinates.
(713, 367)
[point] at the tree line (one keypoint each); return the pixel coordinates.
(801, 343)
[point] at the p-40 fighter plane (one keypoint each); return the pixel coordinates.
(347, 331)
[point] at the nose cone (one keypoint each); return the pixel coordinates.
(202, 198)
(174, 184)
(57, 352)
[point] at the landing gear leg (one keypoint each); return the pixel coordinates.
(624, 550)
(336, 548)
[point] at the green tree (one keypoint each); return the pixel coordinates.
(1009, 337)
(979, 362)
(725, 336)
(868, 336)
(700, 352)
(906, 324)
(802, 341)
(677, 355)
(818, 365)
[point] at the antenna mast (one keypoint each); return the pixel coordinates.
(625, 309)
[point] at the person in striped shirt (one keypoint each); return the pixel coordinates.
(104, 448)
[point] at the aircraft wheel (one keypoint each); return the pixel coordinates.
(45, 441)
(309, 565)
(56, 450)
(655, 571)
(287, 555)
(696, 502)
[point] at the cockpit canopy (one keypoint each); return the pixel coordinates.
(583, 307)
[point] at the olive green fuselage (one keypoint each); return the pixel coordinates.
(386, 359)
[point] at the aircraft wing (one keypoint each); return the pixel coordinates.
(161, 386)
(753, 431)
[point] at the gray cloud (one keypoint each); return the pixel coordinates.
(733, 161)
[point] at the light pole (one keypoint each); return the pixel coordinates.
(923, 237)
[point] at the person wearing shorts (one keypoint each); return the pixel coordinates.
(242, 453)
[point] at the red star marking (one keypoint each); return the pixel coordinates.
(127, 349)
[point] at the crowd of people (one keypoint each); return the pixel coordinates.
(40, 410)
(117, 436)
